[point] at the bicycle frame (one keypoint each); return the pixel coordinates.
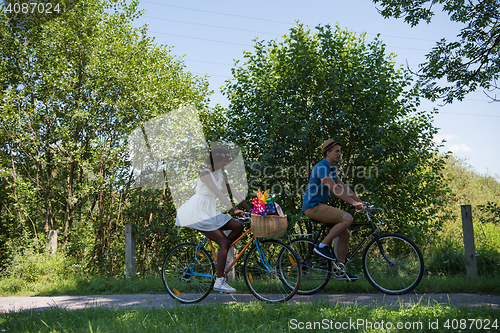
(373, 233)
(189, 270)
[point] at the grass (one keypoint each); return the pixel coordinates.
(78, 285)
(98, 285)
(429, 284)
(255, 316)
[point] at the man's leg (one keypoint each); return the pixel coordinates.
(337, 220)
(341, 230)
(340, 222)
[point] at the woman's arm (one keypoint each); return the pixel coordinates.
(207, 179)
(237, 196)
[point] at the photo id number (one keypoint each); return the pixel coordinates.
(33, 8)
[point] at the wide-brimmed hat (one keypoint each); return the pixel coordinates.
(329, 144)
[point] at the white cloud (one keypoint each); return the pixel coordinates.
(460, 147)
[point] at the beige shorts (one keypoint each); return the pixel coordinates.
(325, 214)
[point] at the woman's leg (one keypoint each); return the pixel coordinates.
(224, 243)
(236, 228)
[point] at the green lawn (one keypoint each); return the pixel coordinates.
(257, 317)
(252, 317)
(78, 285)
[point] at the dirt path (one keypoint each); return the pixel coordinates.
(12, 304)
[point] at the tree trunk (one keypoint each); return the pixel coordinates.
(70, 205)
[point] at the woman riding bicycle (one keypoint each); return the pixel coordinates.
(200, 213)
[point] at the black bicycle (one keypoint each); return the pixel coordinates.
(392, 263)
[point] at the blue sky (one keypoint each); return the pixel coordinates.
(210, 35)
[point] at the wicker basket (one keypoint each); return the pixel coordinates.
(269, 226)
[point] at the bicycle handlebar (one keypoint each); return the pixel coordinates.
(245, 218)
(367, 207)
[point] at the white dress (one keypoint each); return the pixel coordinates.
(199, 212)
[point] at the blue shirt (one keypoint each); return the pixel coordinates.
(317, 192)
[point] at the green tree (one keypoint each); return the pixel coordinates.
(468, 187)
(471, 61)
(290, 96)
(79, 84)
(482, 192)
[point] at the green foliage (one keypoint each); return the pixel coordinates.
(75, 87)
(493, 210)
(467, 187)
(290, 96)
(470, 62)
(32, 270)
(445, 250)
(447, 257)
(153, 215)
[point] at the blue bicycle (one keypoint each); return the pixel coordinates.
(271, 270)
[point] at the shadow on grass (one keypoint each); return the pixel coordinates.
(100, 285)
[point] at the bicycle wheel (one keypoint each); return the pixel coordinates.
(267, 265)
(395, 270)
(187, 278)
(316, 270)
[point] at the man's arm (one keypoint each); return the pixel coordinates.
(346, 189)
(342, 191)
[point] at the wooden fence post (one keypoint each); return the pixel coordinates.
(469, 246)
(52, 241)
(129, 251)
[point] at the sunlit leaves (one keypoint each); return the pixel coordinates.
(470, 62)
(292, 94)
(73, 89)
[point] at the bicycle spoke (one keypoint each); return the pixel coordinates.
(397, 269)
(187, 278)
(316, 270)
(268, 267)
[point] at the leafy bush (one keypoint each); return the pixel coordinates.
(447, 255)
(445, 249)
(31, 268)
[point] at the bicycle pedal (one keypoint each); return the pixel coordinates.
(338, 267)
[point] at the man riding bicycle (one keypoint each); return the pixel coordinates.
(324, 181)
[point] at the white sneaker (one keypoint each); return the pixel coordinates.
(222, 286)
